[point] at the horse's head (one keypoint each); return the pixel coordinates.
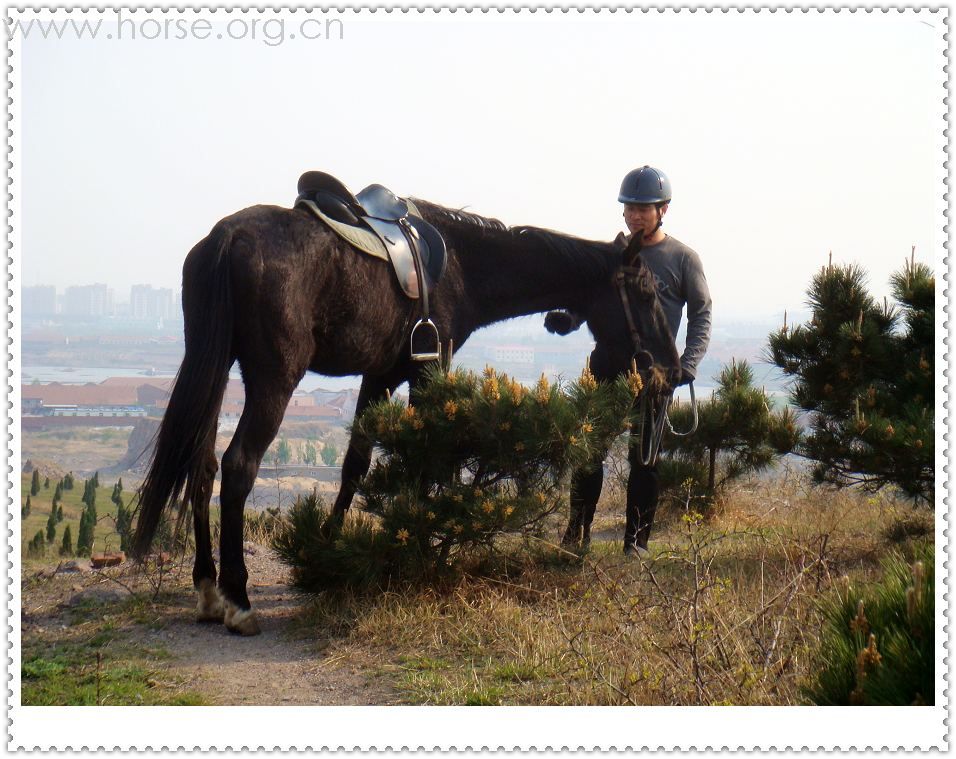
(655, 349)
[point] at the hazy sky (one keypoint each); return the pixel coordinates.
(785, 135)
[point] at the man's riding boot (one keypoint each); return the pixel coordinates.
(585, 491)
(643, 487)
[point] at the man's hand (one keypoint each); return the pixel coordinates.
(561, 322)
(685, 377)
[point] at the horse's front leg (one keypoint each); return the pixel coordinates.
(358, 457)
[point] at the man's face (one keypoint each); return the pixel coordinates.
(641, 217)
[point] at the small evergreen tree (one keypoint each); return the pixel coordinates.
(35, 483)
(68, 481)
(737, 432)
(26, 508)
(59, 513)
(309, 455)
(89, 495)
(123, 524)
(66, 547)
(329, 454)
(284, 452)
(84, 540)
(51, 527)
(864, 374)
(37, 546)
(58, 492)
(96, 479)
(46, 483)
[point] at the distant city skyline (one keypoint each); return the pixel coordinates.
(98, 299)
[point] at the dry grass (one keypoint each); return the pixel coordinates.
(724, 611)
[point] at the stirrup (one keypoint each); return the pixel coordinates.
(435, 355)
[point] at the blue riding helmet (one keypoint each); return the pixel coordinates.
(645, 185)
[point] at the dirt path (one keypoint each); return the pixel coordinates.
(274, 668)
(286, 664)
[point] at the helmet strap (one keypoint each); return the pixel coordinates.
(660, 216)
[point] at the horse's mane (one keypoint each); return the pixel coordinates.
(566, 245)
(459, 218)
(577, 249)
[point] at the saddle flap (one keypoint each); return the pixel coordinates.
(381, 203)
(432, 246)
(399, 252)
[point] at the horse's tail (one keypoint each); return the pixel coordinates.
(192, 414)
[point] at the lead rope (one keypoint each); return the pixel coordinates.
(656, 423)
(693, 427)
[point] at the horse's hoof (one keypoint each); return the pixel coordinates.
(210, 608)
(571, 541)
(241, 621)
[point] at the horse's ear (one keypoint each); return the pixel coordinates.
(632, 252)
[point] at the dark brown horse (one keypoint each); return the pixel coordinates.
(275, 290)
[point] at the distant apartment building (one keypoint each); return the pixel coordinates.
(88, 300)
(39, 300)
(148, 302)
(513, 354)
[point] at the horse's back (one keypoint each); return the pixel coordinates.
(298, 288)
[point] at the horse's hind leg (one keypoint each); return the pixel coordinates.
(261, 416)
(210, 608)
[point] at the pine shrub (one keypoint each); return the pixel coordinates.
(878, 646)
(737, 433)
(469, 459)
(35, 483)
(863, 373)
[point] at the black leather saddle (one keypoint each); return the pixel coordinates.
(403, 232)
(377, 215)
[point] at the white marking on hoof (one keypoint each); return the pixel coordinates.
(241, 621)
(210, 607)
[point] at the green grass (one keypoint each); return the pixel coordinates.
(71, 674)
(93, 656)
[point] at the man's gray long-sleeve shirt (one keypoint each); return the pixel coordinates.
(680, 280)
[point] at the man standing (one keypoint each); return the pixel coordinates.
(680, 280)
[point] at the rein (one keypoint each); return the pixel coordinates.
(649, 411)
(620, 278)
